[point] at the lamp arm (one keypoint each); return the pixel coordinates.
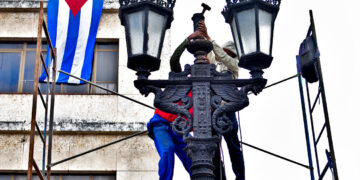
(228, 98)
(256, 87)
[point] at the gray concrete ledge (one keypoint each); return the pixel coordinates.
(77, 126)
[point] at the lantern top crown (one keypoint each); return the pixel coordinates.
(162, 6)
(235, 4)
(271, 2)
(166, 4)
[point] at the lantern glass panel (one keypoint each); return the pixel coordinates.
(236, 37)
(155, 29)
(136, 30)
(246, 21)
(265, 19)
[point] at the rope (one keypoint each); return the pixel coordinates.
(222, 161)
(238, 119)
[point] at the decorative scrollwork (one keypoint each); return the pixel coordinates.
(187, 102)
(227, 98)
(183, 125)
(181, 75)
(220, 122)
(167, 4)
(216, 101)
(168, 99)
(180, 125)
(220, 75)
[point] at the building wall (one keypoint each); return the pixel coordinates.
(82, 122)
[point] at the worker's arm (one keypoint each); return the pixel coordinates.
(221, 56)
(175, 57)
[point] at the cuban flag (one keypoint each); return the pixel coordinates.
(72, 26)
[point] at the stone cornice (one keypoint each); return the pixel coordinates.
(70, 125)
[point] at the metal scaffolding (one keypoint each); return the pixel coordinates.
(37, 91)
(330, 154)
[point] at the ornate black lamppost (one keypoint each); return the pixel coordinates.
(145, 23)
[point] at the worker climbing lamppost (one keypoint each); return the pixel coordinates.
(252, 24)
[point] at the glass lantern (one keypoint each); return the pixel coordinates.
(252, 26)
(145, 25)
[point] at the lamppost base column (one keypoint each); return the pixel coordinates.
(202, 151)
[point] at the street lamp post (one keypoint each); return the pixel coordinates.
(214, 93)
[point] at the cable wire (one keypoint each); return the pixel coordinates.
(281, 81)
(105, 89)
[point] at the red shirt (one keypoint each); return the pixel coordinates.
(171, 117)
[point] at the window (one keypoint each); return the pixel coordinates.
(17, 62)
(105, 68)
(9, 69)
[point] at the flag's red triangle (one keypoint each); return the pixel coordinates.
(75, 5)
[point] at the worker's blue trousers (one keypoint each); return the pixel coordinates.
(167, 143)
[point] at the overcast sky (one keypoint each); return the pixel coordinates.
(273, 120)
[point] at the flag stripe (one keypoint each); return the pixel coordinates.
(95, 20)
(53, 7)
(82, 40)
(70, 47)
(62, 29)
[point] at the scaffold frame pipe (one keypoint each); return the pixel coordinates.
(324, 102)
(307, 137)
(35, 94)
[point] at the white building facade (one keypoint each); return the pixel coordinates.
(85, 117)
